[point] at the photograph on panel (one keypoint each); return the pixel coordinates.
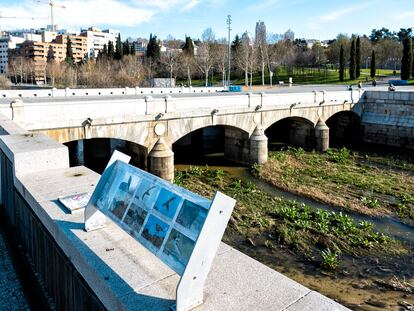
(155, 231)
(192, 217)
(167, 203)
(126, 185)
(179, 247)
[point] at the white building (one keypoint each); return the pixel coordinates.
(10, 42)
(98, 38)
(289, 35)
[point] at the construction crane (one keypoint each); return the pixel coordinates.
(52, 4)
(12, 17)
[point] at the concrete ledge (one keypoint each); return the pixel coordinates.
(33, 152)
(125, 275)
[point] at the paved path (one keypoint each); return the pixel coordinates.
(11, 293)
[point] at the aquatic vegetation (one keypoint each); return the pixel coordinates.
(305, 230)
(330, 259)
(362, 183)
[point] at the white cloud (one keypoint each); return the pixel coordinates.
(404, 15)
(334, 15)
(164, 5)
(84, 13)
(190, 5)
(263, 5)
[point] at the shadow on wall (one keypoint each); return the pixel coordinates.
(345, 129)
(294, 131)
(95, 153)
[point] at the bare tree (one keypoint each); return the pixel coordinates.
(205, 54)
(220, 58)
(242, 56)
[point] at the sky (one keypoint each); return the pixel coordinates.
(311, 19)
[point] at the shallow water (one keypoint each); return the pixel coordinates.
(356, 283)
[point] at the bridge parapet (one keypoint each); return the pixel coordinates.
(89, 92)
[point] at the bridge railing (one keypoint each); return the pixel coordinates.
(105, 92)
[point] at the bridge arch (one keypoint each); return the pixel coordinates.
(212, 144)
(344, 128)
(95, 153)
(293, 131)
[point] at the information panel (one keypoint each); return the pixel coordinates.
(167, 219)
(181, 228)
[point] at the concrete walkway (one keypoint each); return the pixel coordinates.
(11, 293)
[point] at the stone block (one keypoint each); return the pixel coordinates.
(312, 301)
(34, 152)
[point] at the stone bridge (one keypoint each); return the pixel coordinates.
(155, 122)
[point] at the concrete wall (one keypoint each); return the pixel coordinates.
(388, 118)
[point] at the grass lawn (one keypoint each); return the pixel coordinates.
(300, 76)
(366, 184)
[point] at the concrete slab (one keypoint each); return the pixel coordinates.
(314, 301)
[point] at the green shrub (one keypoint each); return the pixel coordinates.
(330, 259)
(338, 156)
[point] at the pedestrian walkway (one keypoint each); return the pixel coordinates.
(11, 292)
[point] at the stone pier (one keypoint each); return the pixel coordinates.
(322, 136)
(161, 161)
(258, 146)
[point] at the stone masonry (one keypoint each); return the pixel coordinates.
(11, 293)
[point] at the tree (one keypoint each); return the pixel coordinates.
(358, 58)
(407, 59)
(153, 48)
(341, 64)
(126, 49)
(69, 53)
(412, 71)
(206, 53)
(236, 42)
(373, 65)
(352, 64)
(382, 33)
(404, 33)
(118, 48)
(111, 50)
(188, 57)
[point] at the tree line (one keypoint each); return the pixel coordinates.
(253, 60)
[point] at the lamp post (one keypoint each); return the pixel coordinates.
(229, 51)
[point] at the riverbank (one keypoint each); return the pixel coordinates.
(327, 251)
(370, 185)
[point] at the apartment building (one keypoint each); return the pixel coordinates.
(36, 54)
(9, 42)
(79, 46)
(96, 39)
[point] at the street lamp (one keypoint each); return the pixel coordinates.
(229, 52)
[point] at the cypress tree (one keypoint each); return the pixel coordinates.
(188, 47)
(126, 48)
(118, 48)
(341, 64)
(412, 71)
(373, 65)
(111, 50)
(352, 59)
(69, 53)
(358, 58)
(132, 50)
(407, 59)
(153, 48)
